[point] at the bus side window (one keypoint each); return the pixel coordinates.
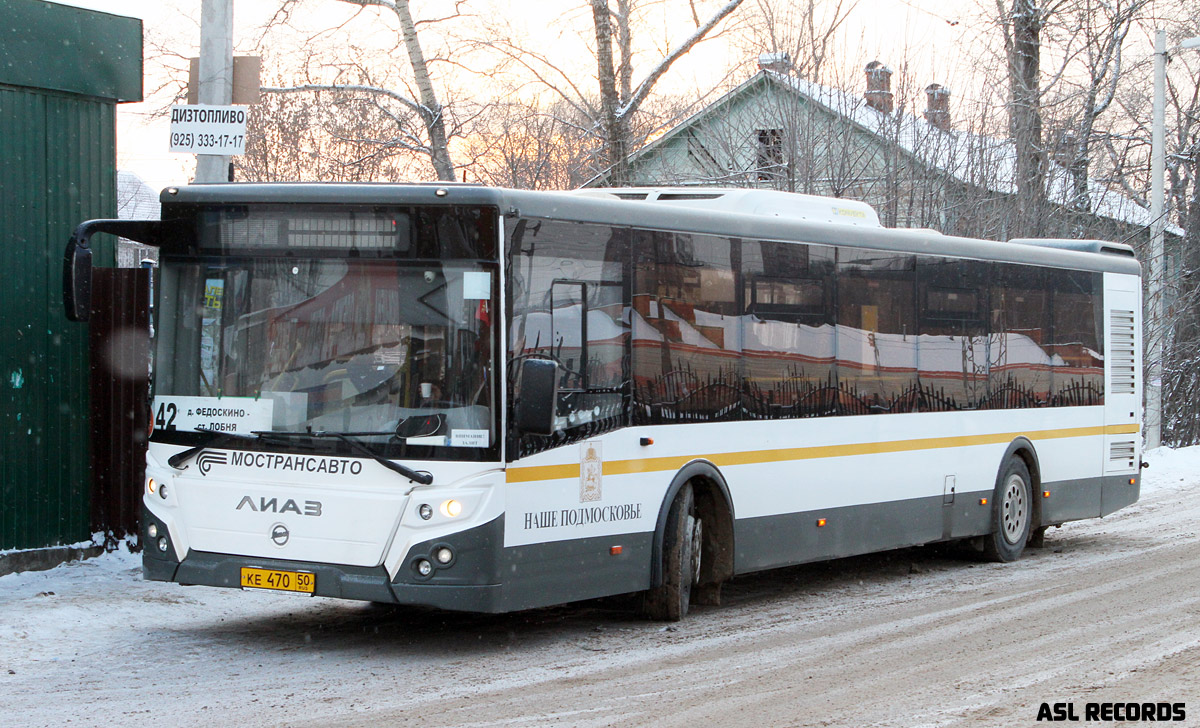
(568, 304)
(687, 332)
(877, 325)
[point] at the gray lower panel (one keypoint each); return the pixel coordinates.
(567, 571)
(485, 577)
(796, 538)
(1120, 492)
(1072, 500)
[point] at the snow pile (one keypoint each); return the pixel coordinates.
(1171, 469)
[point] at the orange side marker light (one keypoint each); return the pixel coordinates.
(615, 550)
(820, 523)
(1045, 494)
(983, 501)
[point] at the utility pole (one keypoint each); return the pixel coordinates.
(216, 76)
(1156, 328)
(1156, 305)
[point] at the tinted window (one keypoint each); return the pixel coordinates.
(1019, 362)
(876, 332)
(686, 328)
(953, 343)
(1077, 373)
(788, 353)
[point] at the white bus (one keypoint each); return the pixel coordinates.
(490, 400)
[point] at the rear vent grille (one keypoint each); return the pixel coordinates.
(690, 196)
(1121, 454)
(1122, 351)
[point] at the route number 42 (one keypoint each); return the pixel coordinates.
(165, 418)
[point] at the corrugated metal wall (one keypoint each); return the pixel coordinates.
(57, 168)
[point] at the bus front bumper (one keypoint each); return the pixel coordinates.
(470, 582)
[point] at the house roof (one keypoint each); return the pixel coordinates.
(136, 200)
(974, 159)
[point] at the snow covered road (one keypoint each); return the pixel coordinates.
(1108, 611)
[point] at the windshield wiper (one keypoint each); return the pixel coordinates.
(419, 476)
(214, 436)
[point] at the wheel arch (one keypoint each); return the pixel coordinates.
(1023, 448)
(715, 505)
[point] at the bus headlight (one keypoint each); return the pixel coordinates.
(162, 544)
(153, 530)
(443, 555)
(151, 485)
(451, 508)
(424, 568)
(425, 511)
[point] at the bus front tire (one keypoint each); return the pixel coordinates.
(1012, 513)
(682, 539)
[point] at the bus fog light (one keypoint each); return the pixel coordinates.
(153, 530)
(444, 555)
(426, 511)
(162, 544)
(424, 568)
(451, 508)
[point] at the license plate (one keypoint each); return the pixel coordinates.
(297, 582)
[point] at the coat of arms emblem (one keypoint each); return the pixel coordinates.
(591, 468)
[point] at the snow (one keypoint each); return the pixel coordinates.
(91, 643)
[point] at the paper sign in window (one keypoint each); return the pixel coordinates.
(477, 286)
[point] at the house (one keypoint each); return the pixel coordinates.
(136, 200)
(779, 131)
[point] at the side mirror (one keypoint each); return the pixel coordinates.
(539, 397)
(77, 258)
(77, 280)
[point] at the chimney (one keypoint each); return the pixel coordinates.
(779, 62)
(879, 87)
(937, 106)
(1064, 152)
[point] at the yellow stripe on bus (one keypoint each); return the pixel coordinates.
(750, 457)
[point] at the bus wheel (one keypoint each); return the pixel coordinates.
(681, 560)
(1012, 513)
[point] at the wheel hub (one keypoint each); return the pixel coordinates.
(1014, 509)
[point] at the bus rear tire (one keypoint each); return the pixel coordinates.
(682, 540)
(1012, 513)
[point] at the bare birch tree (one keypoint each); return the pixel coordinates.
(1021, 25)
(433, 141)
(619, 101)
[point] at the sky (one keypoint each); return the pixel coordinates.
(884, 29)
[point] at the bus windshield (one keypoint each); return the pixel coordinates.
(397, 353)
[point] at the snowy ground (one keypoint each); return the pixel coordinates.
(1108, 611)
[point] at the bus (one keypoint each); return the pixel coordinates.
(490, 400)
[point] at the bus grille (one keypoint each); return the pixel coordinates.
(1121, 352)
(1121, 454)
